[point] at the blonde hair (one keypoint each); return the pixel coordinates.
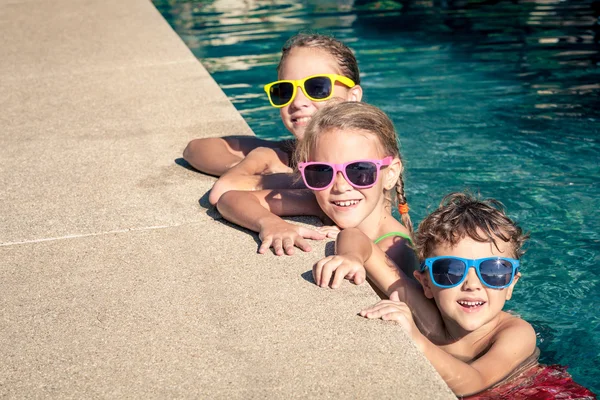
(352, 115)
(339, 51)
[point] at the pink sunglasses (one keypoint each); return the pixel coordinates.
(361, 174)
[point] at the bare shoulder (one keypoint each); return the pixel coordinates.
(395, 244)
(515, 331)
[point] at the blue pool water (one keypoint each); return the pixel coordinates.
(497, 96)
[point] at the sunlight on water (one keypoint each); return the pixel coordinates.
(500, 97)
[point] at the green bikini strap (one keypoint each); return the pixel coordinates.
(387, 235)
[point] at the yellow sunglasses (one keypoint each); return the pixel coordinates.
(316, 88)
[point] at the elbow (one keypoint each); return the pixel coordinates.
(190, 150)
(223, 201)
(217, 191)
(214, 197)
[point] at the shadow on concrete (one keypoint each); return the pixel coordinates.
(308, 276)
(182, 163)
(211, 210)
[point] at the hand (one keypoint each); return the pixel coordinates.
(340, 267)
(393, 310)
(283, 236)
(331, 232)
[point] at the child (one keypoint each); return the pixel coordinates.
(349, 159)
(313, 68)
(470, 254)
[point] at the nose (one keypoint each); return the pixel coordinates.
(300, 100)
(472, 281)
(340, 184)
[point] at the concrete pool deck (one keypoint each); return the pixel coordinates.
(116, 279)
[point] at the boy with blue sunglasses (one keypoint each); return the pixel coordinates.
(469, 250)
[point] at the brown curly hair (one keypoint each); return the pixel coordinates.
(463, 214)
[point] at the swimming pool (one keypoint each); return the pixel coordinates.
(497, 96)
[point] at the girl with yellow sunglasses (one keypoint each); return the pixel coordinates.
(313, 69)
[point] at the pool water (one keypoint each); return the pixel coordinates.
(500, 97)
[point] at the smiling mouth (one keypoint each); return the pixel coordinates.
(301, 120)
(346, 203)
(470, 304)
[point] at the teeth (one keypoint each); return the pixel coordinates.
(346, 203)
(303, 119)
(470, 303)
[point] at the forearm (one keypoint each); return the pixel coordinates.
(251, 209)
(244, 209)
(211, 155)
(217, 155)
(263, 168)
(460, 377)
(290, 202)
(385, 274)
(352, 242)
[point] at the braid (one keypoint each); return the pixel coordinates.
(402, 202)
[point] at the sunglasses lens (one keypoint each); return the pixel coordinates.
(318, 87)
(496, 273)
(281, 93)
(318, 176)
(363, 174)
(448, 271)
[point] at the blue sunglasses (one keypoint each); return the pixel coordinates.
(494, 272)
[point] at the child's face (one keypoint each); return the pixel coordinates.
(346, 205)
(470, 305)
(303, 62)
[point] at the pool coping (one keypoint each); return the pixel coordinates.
(118, 279)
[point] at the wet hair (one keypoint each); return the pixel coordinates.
(353, 115)
(343, 55)
(463, 214)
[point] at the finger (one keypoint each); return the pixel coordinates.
(385, 312)
(264, 246)
(329, 228)
(395, 296)
(374, 309)
(288, 245)
(327, 272)
(311, 234)
(332, 234)
(360, 277)
(376, 314)
(339, 275)
(277, 247)
(394, 316)
(302, 244)
(317, 268)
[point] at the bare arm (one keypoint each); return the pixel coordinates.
(215, 156)
(511, 346)
(260, 210)
(263, 168)
(386, 275)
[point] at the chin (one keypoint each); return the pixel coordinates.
(298, 132)
(345, 223)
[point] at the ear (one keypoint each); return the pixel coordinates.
(355, 94)
(423, 278)
(509, 290)
(391, 174)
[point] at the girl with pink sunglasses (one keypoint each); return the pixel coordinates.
(350, 161)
